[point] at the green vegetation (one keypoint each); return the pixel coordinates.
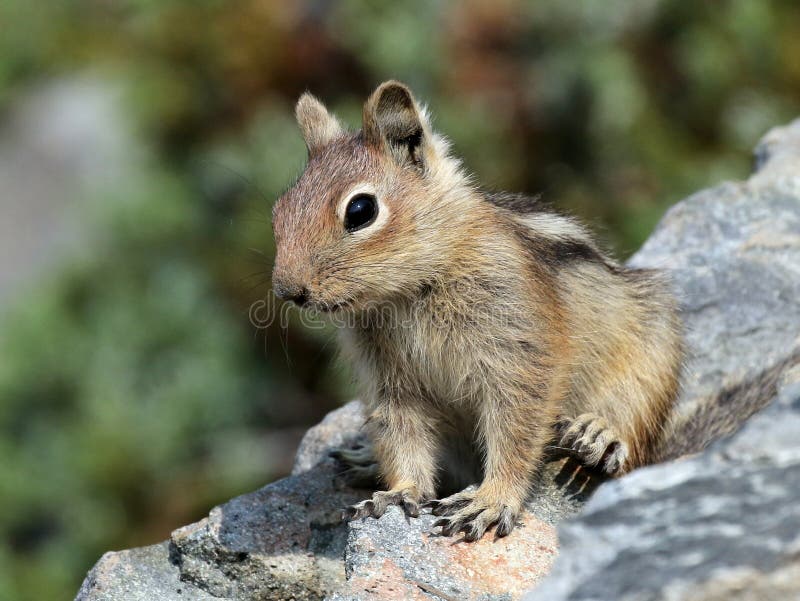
(133, 392)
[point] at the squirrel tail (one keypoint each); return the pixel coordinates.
(716, 416)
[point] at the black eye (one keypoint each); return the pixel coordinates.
(360, 212)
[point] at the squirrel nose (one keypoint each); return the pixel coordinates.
(291, 292)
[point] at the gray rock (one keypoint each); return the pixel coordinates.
(284, 541)
(733, 252)
(398, 557)
(335, 430)
(143, 574)
(722, 525)
(725, 523)
(719, 525)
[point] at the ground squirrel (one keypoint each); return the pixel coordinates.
(482, 326)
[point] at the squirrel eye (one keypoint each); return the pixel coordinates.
(360, 212)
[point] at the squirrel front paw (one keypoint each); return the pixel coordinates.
(408, 498)
(473, 514)
(595, 442)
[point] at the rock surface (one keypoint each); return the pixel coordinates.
(143, 574)
(722, 524)
(733, 252)
(287, 541)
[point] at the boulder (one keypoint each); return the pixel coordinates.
(287, 541)
(733, 252)
(143, 574)
(725, 523)
(720, 524)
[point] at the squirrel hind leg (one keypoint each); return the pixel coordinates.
(359, 454)
(595, 442)
(360, 466)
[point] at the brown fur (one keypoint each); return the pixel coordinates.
(509, 325)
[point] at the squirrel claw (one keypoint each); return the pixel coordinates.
(407, 498)
(475, 517)
(595, 442)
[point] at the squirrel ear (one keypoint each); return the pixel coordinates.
(393, 121)
(318, 126)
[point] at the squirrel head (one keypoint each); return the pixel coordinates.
(367, 221)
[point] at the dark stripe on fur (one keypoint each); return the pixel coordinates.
(555, 252)
(558, 252)
(517, 203)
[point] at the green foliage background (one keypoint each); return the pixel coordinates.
(133, 392)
